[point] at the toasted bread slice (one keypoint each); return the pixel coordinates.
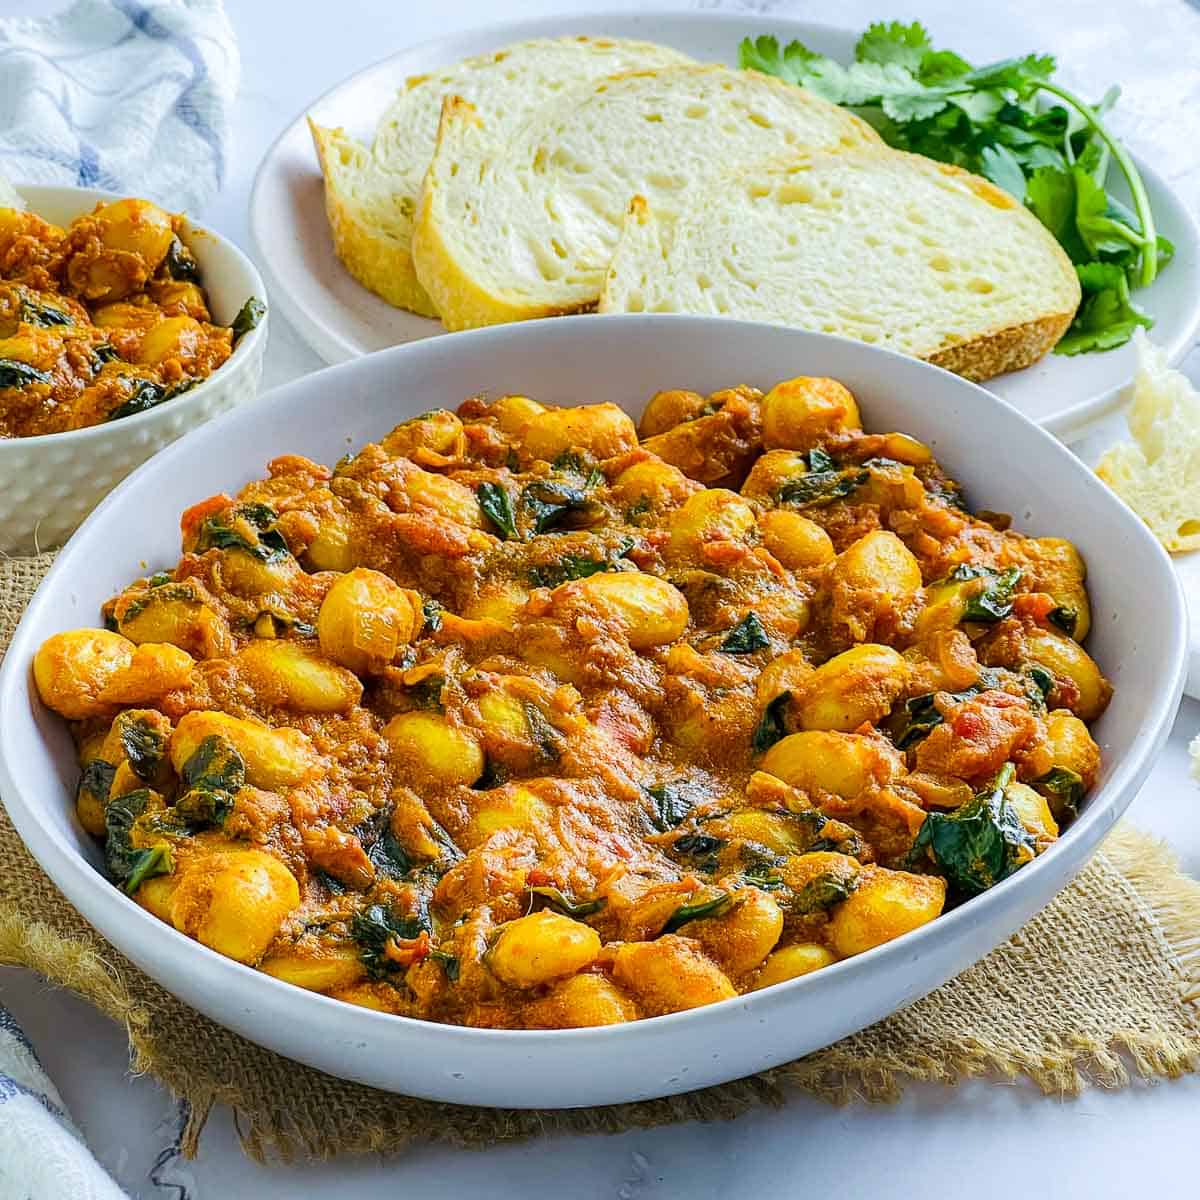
(1158, 473)
(521, 223)
(875, 244)
(371, 194)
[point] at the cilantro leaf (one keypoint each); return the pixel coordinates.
(1000, 165)
(894, 42)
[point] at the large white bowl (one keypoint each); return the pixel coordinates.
(1006, 463)
(49, 484)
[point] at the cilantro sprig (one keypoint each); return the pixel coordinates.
(994, 120)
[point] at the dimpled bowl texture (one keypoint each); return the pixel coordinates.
(49, 484)
(1006, 464)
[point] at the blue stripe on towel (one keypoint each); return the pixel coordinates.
(10, 1089)
(145, 20)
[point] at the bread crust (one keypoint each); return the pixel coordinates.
(381, 264)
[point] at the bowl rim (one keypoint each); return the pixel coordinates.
(242, 354)
(78, 877)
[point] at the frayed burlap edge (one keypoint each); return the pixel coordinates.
(1169, 903)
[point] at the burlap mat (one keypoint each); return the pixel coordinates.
(1105, 983)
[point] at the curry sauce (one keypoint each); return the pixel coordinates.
(526, 717)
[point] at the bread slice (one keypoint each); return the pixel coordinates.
(875, 244)
(1158, 473)
(520, 223)
(371, 194)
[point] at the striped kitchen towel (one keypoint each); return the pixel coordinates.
(41, 1154)
(134, 96)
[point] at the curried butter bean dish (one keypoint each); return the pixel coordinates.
(527, 717)
(102, 319)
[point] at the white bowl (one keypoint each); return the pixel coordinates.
(1006, 463)
(48, 484)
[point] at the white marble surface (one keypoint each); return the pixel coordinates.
(991, 1139)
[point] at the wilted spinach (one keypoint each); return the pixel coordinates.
(497, 507)
(375, 928)
(716, 907)
(771, 728)
(978, 844)
(746, 636)
(14, 374)
(249, 315)
(1065, 789)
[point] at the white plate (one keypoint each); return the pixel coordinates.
(340, 319)
(1005, 462)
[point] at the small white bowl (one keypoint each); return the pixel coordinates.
(1004, 461)
(48, 484)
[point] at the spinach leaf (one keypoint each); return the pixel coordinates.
(552, 507)
(427, 692)
(497, 507)
(821, 894)
(449, 963)
(146, 394)
(639, 508)
(717, 907)
(157, 860)
(14, 374)
(822, 487)
(673, 801)
(203, 808)
(1043, 681)
(746, 636)
(215, 765)
(994, 603)
(249, 315)
(556, 900)
(548, 740)
(921, 718)
(1064, 617)
(104, 353)
(702, 848)
(820, 460)
(214, 773)
(763, 874)
(375, 928)
(577, 566)
(97, 779)
(144, 746)
(34, 312)
(388, 856)
(1065, 788)
(921, 715)
(128, 864)
(771, 727)
(181, 264)
(270, 547)
(978, 844)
